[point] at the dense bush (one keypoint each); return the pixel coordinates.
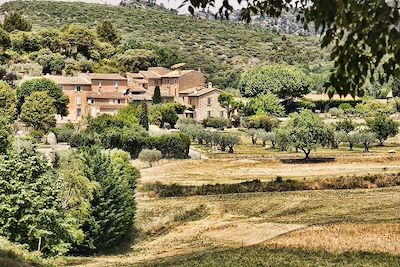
(261, 122)
(383, 126)
(172, 145)
(83, 139)
(278, 185)
(31, 211)
(216, 122)
(64, 133)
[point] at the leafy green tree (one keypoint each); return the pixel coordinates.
(8, 101)
(150, 156)
(339, 137)
(144, 117)
(43, 85)
(76, 189)
(253, 133)
(232, 140)
(305, 131)
(5, 136)
(366, 137)
(346, 125)
(157, 95)
(113, 206)
(31, 212)
(261, 122)
(353, 138)
(51, 62)
(284, 81)
(5, 40)
(137, 59)
(108, 32)
(122, 167)
(267, 104)
(78, 39)
(335, 20)
(38, 111)
(383, 126)
(216, 122)
(168, 115)
(226, 100)
(14, 21)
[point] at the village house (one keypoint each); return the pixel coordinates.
(91, 94)
(183, 86)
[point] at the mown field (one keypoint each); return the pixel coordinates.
(358, 227)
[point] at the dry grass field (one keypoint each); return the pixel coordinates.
(359, 227)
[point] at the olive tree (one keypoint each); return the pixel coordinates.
(383, 126)
(253, 133)
(305, 131)
(150, 156)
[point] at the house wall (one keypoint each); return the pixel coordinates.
(202, 106)
(109, 86)
(74, 105)
(192, 79)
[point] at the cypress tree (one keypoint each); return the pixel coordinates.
(144, 118)
(157, 95)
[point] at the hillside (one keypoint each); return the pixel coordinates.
(220, 49)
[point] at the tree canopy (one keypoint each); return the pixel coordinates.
(108, 32)
(43, 85)
(284, 81)
(8, 101)
(364, 34)
(14, 21)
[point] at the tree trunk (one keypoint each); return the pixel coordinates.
(253, 140)
(231, 150)
(351, 146)
(273, 144)
(381, 142)
(307, 153)
(366, 149)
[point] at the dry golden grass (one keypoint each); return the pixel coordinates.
(376, 238)
(197, 172)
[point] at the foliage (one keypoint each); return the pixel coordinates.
(305, 131)
(150, 156)
(5, 136)
(339, 137)
(267, 104)
(133, 60)
(76, 189)
(227, 101)
(215, 122)
(43, 85)
(108, 32)
(122, 166)
(366, 137)
(261, 122)
(144, 118)
(283, 81)
(335, 21)
(346, 125)
(168, 115)
(31, 210)
(14, 21)
(383, 126)
(265, 136)
(5, 40)
(157, 95)
(172, 145)
(372, 107)
(253, 133)
(111, 217)
(8, 101)
(64, 133)
(221, 50)
(38, 111)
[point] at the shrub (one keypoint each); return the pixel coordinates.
(171, 145)
(345, 125)
(83, 139)
(336, 112)
(215, 122)
(261, 122)
(64, 133)
(383, 126)
(150, 156)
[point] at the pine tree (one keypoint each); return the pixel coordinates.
(157, 95)
(144, 118)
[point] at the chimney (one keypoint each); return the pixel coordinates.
(210, 85)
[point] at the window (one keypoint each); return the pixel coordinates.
(78, 112)
(116, 84)
(100, 83)
(209, 114)
(209, 101)
(78, 100)
(78, 88)
(91, 101)
(221, 113)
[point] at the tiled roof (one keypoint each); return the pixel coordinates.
(190, 90)
(135, 75)
(60, 80)
(107, 96)
(202, 92)
(140, 97)
(176, 73)
(137, 89)
(150, 74)
(159, 70)
(104, 76)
